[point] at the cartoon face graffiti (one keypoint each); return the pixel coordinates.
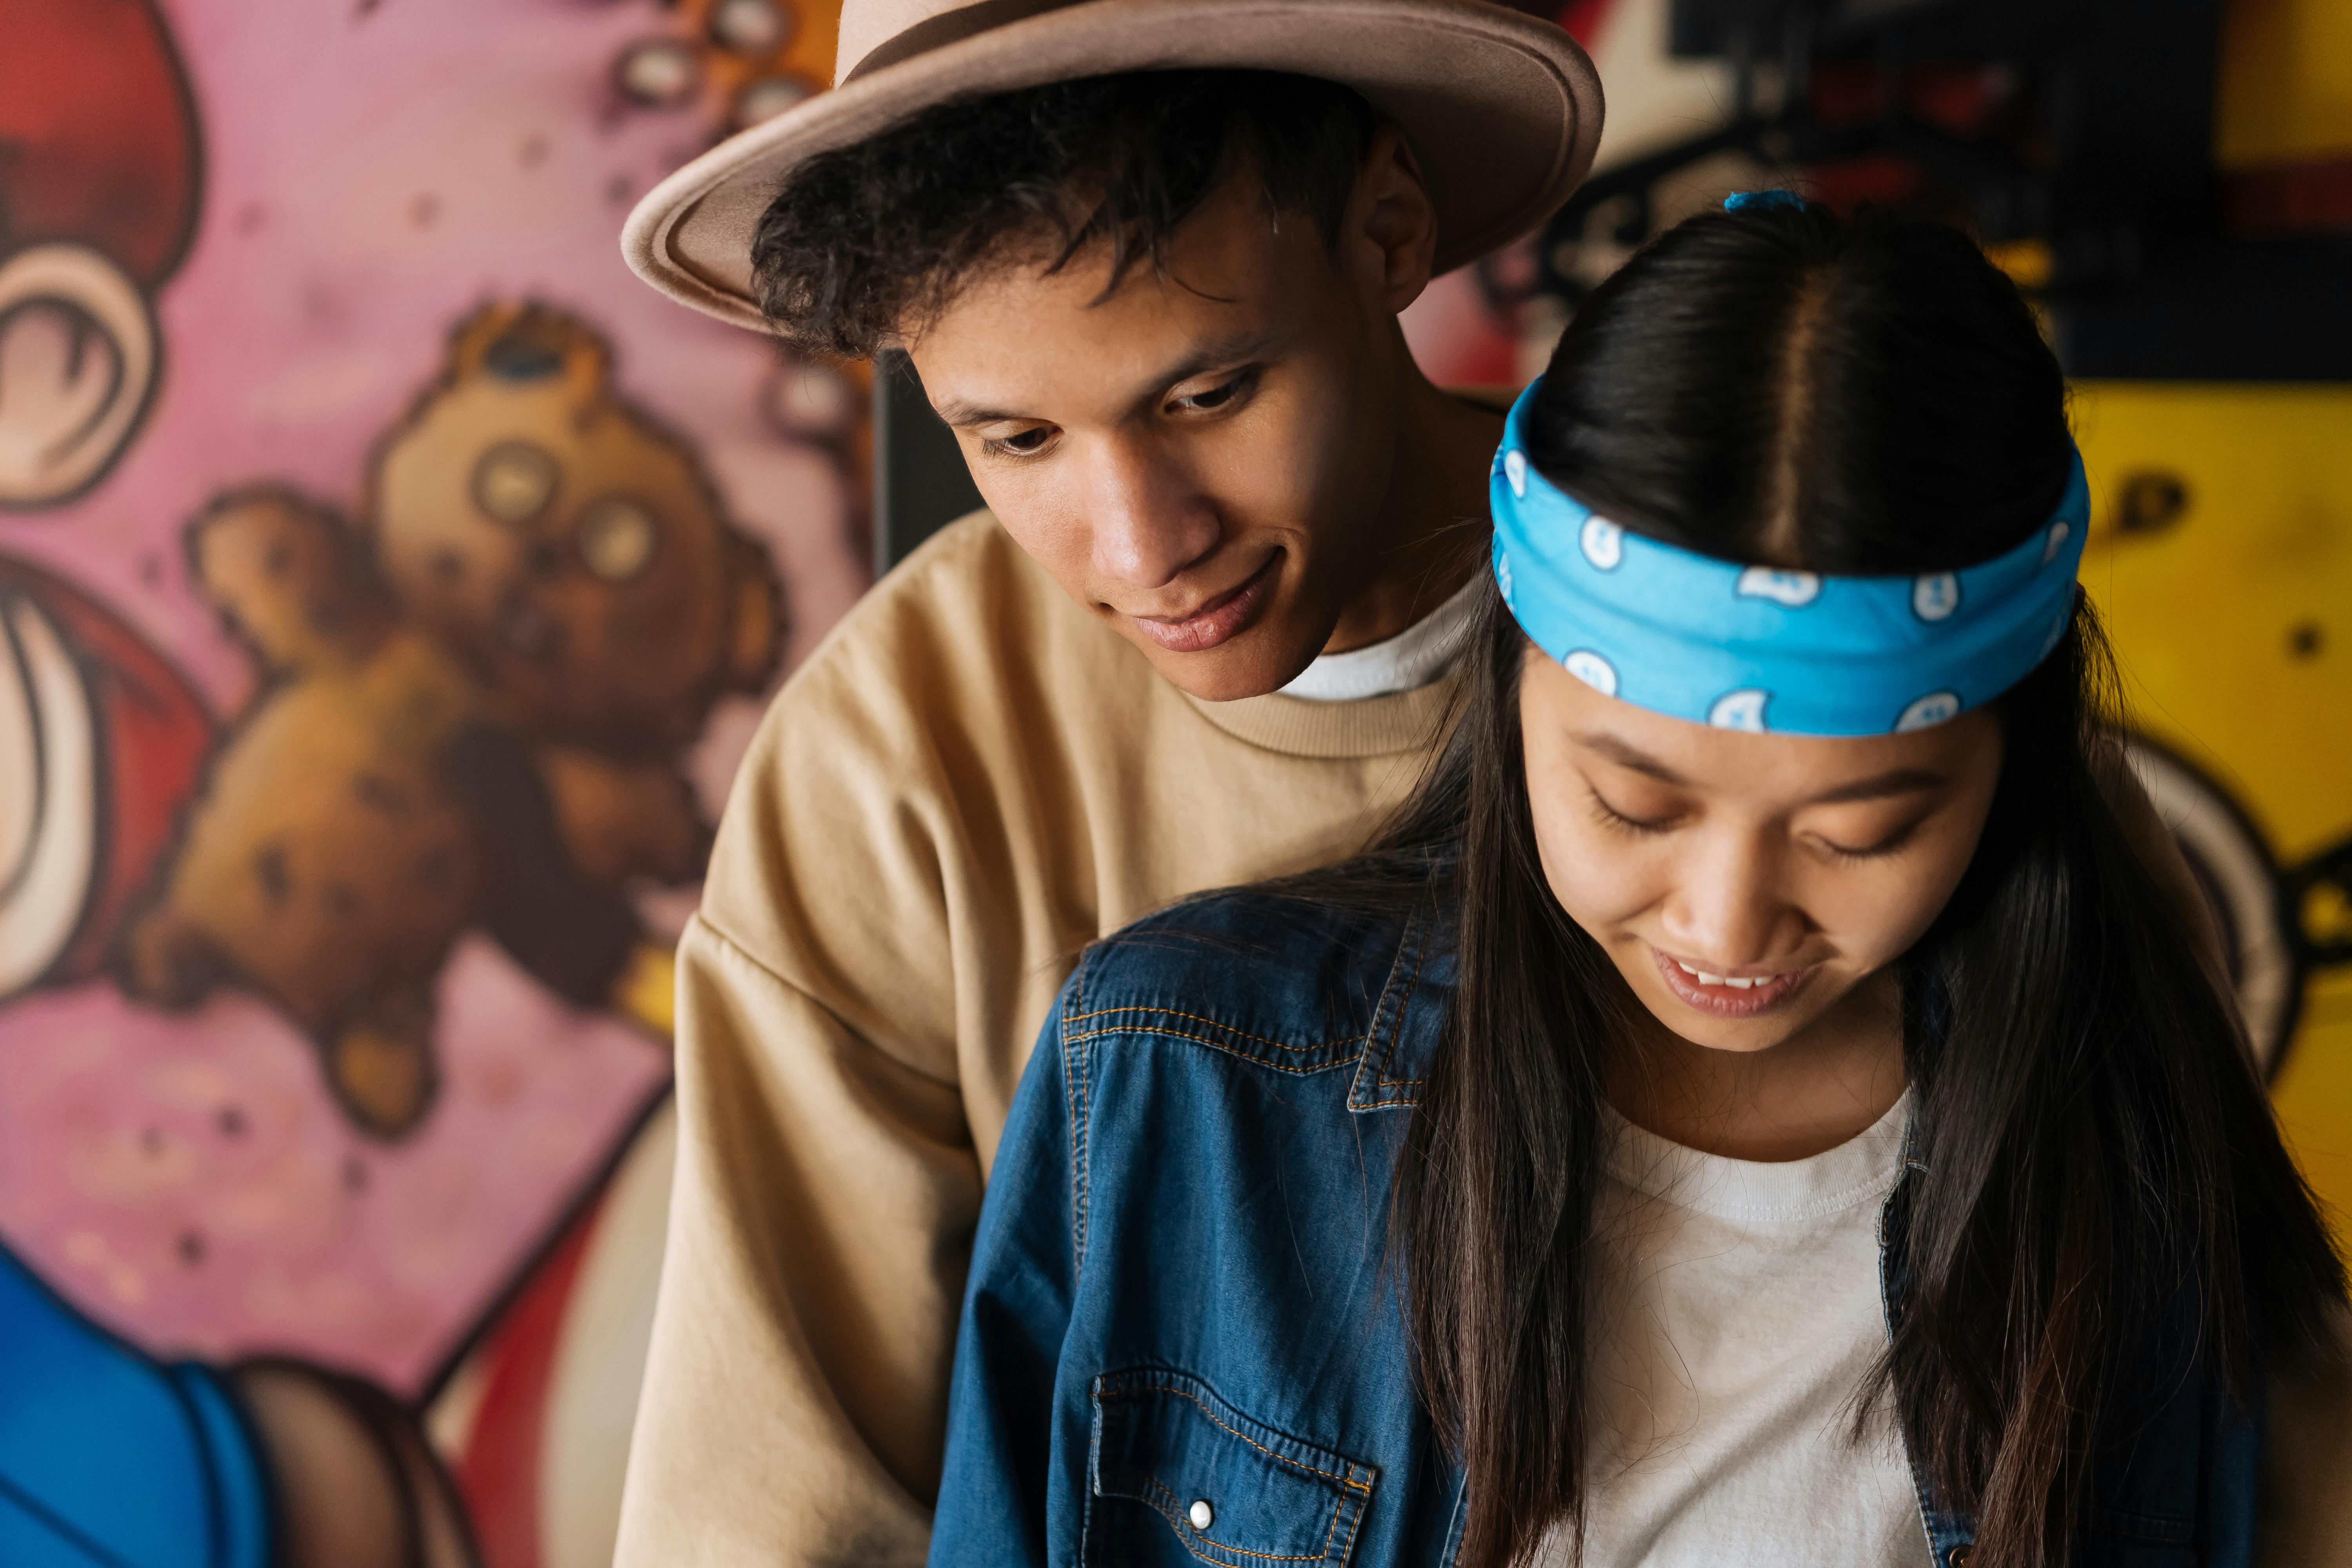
(568, 549)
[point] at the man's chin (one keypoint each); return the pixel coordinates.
(1248, 666)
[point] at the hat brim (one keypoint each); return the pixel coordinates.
(1502, 110)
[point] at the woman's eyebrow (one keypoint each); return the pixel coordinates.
(1878, 787)
(1627, 756)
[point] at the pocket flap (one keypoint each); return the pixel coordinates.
(1234, 1490)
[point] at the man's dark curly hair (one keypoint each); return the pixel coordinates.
(866, 243)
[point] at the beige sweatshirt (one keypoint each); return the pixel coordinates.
(968, 782)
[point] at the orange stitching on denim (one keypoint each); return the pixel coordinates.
(1213, 1023)
(1227, 1046)
(1347, 1482)
(1174, 1502)
(1350, 1549)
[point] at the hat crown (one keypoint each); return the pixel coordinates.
(1501, 107)
(867, 24)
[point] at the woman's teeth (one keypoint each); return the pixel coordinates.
(1704, 978)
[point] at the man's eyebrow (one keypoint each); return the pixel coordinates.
(1878, 787)
(1203, 356)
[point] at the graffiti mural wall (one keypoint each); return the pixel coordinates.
(388, 585)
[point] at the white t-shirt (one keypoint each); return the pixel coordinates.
(1737, 1316)
(1406, 662)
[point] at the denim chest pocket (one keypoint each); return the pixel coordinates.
(1177, 1474)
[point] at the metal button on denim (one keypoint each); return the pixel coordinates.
(1201, 1514)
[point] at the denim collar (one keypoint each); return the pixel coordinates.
(1411, 1013)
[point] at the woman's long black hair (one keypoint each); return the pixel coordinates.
(2096, 1161)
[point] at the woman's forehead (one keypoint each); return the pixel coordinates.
(1793, 769)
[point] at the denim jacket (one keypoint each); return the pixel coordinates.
(1182, 1338)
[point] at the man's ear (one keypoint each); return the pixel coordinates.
(78, 364)
(1392, 226)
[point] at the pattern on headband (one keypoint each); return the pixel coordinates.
(1758, 647)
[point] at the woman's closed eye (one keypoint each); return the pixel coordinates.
(1878, 848)
(1627, 822)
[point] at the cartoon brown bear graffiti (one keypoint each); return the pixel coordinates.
(475, 707)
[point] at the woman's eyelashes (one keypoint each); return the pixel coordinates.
(1882, 847)
(1627, 823)
(1632, 824)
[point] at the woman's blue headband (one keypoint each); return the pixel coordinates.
(1753, 647)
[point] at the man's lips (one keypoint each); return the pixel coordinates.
(1728, 995)
(1217, 619)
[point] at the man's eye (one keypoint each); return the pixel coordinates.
(1026, 444)
(1220, 396)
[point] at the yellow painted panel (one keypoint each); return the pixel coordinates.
(2234, 624)
(2285, 83)
(646, 992)
(2314, 1092)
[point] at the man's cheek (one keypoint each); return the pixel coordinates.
(1051, 534)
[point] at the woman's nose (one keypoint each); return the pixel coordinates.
(1728, 908)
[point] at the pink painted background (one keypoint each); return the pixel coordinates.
(371, 174)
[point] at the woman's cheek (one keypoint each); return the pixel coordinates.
(1597, 878)
(1875, 914)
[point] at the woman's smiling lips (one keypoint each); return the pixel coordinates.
(1217, 620)
(1727, 997)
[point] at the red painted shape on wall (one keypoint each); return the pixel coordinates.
(499, 1473)
(98, 134)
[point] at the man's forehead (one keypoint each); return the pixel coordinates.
(1019, 336)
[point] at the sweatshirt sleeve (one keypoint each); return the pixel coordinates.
(824, 1199)
(997, 1495)
(838, 1006)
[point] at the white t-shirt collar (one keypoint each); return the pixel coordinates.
(1406, 662)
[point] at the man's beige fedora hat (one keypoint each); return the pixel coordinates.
(1503, 109)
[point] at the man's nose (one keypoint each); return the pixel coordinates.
(1729, 906)
(1149, 521)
